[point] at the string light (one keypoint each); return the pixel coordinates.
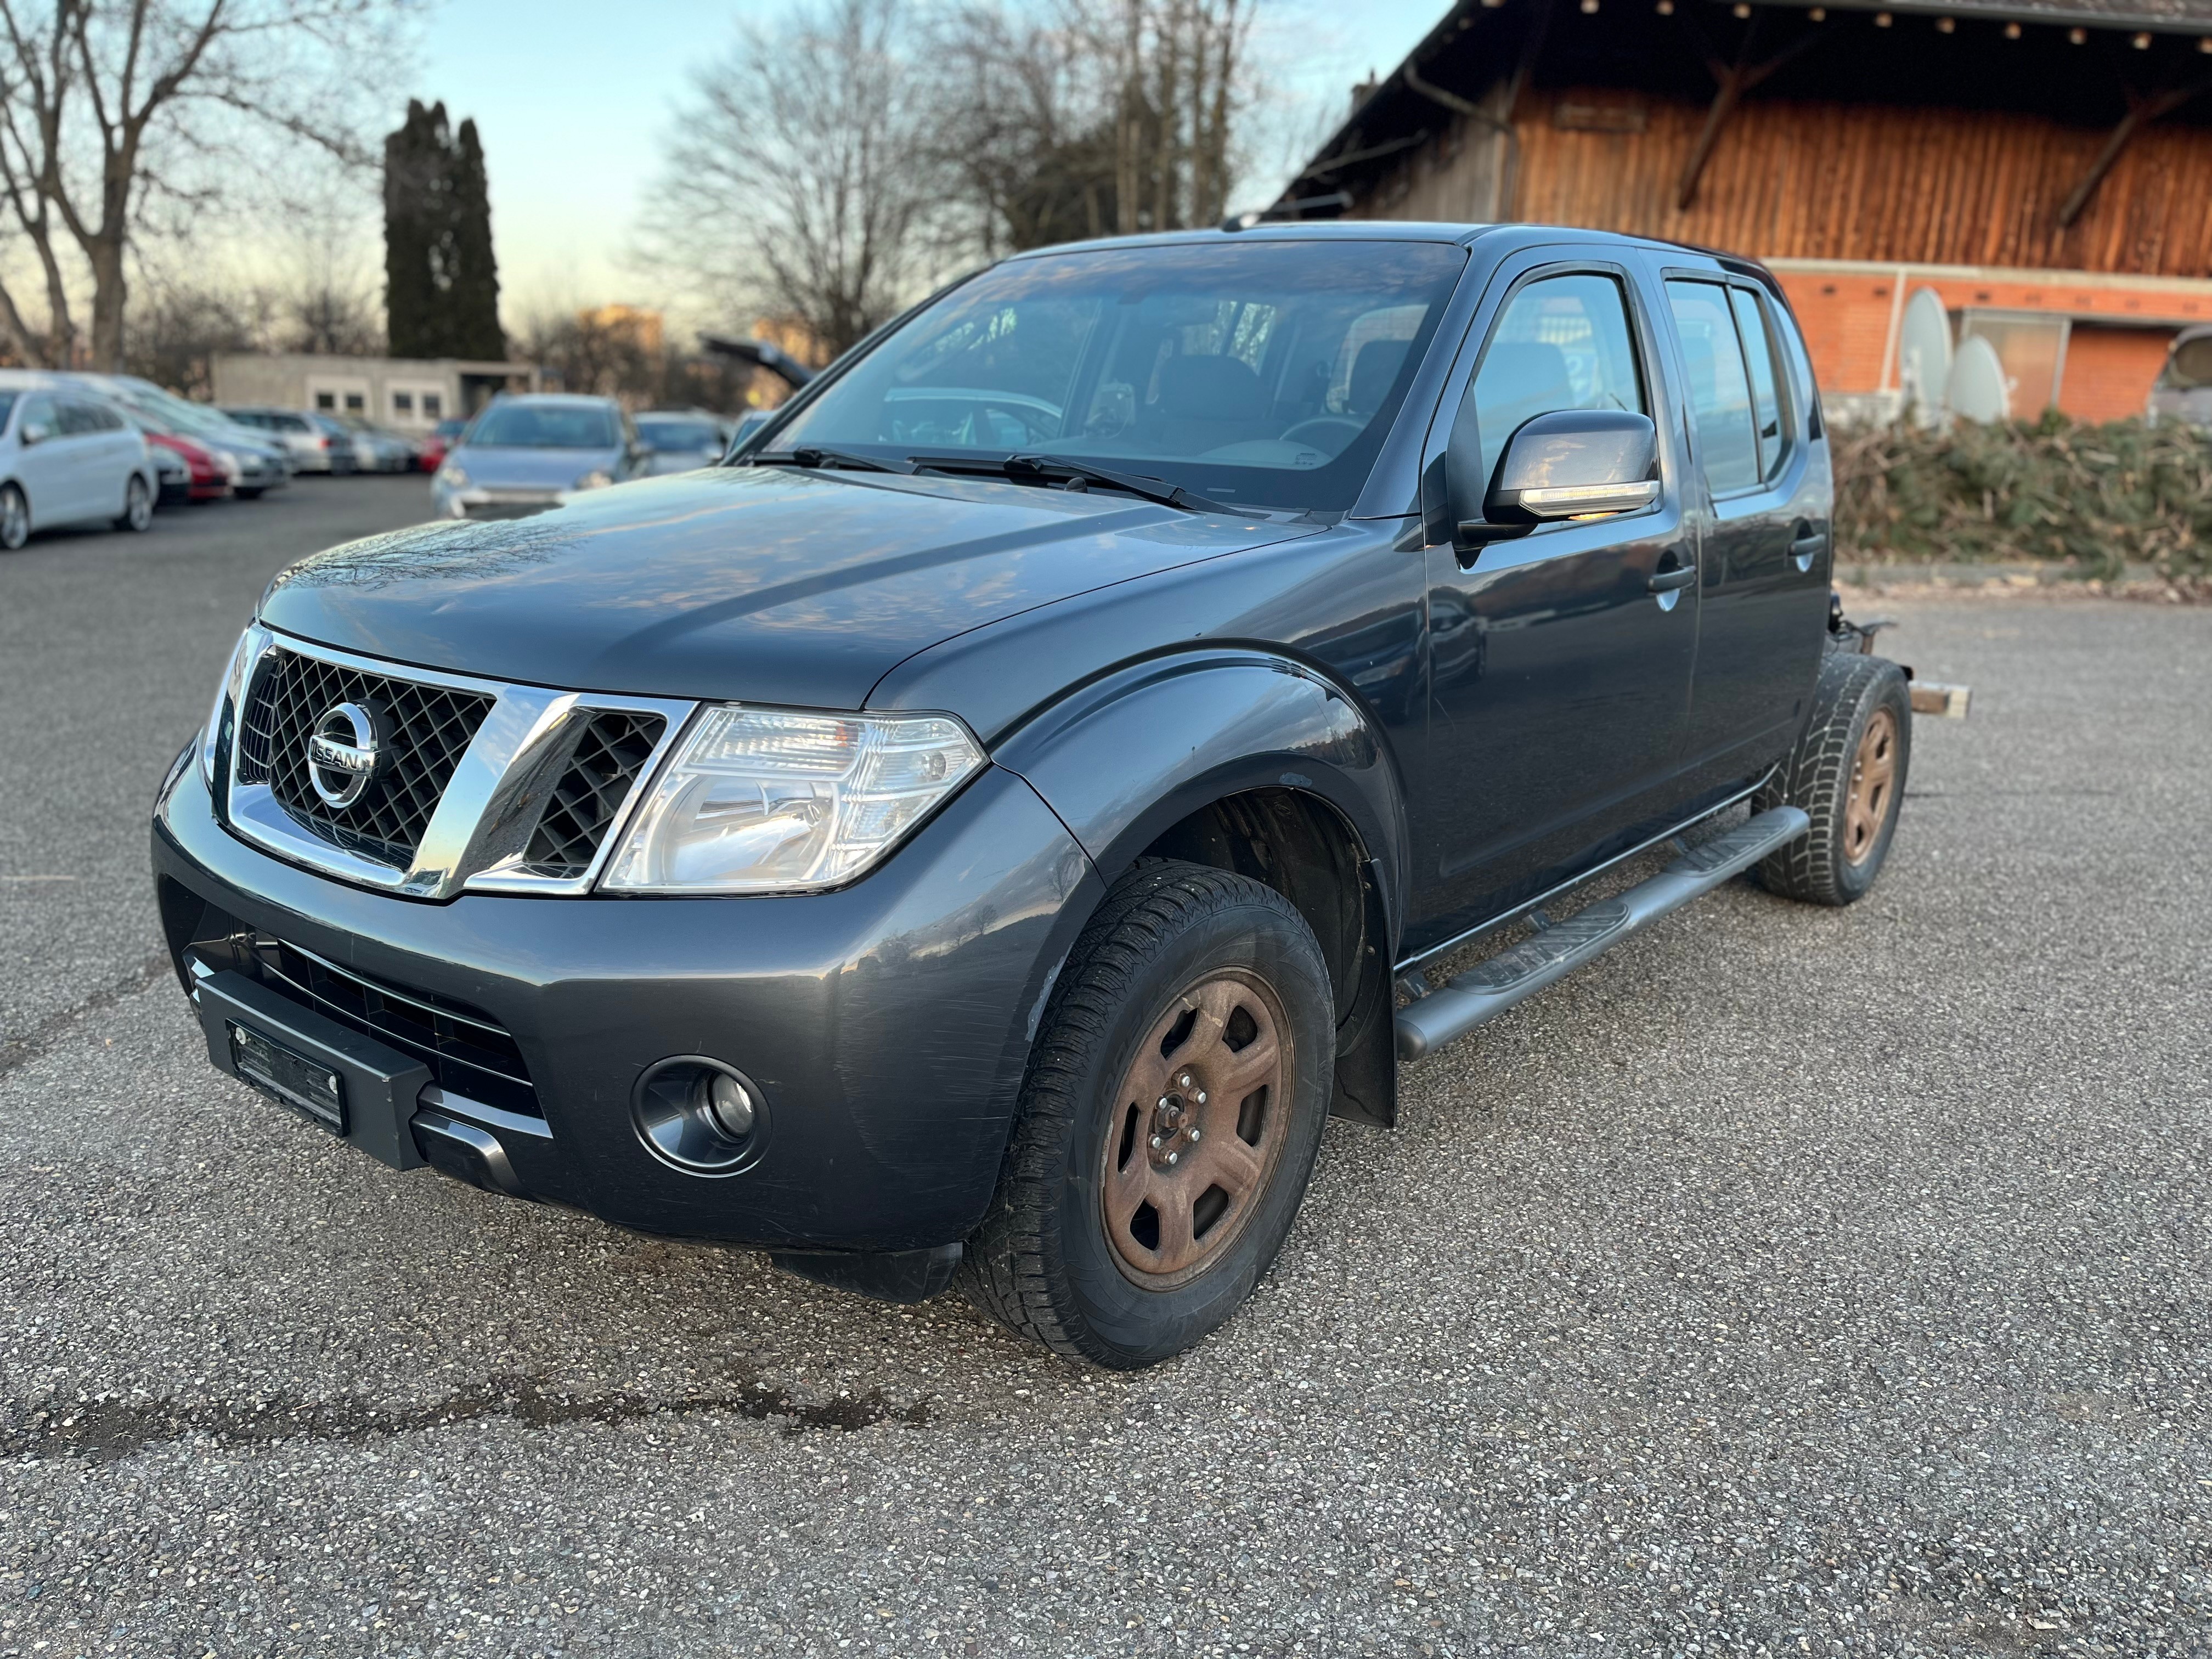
(2077, 37)
(1881, 20)
(1945, 25)
(2011, 30)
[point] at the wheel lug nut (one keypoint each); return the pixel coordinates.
(1193, 1137)
(1173, 1157)
(1156, 1141)
(1184, 1080)
(1202, 1097)
(1164, 1102)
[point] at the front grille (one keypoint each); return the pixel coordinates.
(468, 1052)
(426, 730)
(614, 750)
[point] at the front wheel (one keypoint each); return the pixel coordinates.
(137, 506)
(1848, 773)
(246, 495)
(15, 518)
(1176, 1097)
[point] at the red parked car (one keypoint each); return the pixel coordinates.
(442, 437)
(205, 480)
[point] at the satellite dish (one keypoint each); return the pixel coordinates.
(1923, 356)
(1978, 390)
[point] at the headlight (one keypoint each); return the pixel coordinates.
(453, 477)
(597, 478)
(226, 698)
(763, 801)
(228, 463)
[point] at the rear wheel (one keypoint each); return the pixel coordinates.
(15, 518)
(1848, 772)
(1175, 1098)
(137, 506)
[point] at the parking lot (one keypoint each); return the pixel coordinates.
(1790, 1281)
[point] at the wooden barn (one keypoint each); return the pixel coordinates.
(2046, 166)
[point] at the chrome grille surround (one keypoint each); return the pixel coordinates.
(478, 835)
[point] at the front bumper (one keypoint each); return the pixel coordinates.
(887, 1025)
(476, 502)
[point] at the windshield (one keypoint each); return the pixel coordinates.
(545, 426)
(662, 433)
(1261, 373)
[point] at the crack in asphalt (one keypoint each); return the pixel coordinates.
(104, 1429)
(15, 1051)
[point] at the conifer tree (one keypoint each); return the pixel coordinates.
(441, 282)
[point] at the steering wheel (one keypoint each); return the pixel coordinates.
(1034, 425)
(1333, 423)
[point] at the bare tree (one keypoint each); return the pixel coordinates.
(106, 107)
(799, 180)
(1097, 117)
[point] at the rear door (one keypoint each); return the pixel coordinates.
(1763, 524)
(1559, 681)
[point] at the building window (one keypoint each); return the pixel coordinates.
(402, 403)
(356, 403)
(326, 400)
(434, 405)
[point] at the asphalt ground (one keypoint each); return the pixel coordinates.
(1788, 1282)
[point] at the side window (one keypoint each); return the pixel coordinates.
(1766, 395)
(1562, 342)
(38, 422)
(1719, 391)
(75, 418)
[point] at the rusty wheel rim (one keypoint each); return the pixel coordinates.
(1200, 1122)
(1873, 787)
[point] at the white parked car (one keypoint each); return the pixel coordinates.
(67, 458)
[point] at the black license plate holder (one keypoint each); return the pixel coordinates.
(313, 1090)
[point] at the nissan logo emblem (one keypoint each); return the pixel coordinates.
(343, 752)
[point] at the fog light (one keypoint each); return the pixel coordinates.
(701, 1114)
(725, 1101)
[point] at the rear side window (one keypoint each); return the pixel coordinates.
(1766, 404)
(1563, 343)
(77, 418)
(1719, 387)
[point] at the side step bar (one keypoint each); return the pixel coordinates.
(1489, 988)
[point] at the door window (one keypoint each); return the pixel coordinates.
(1719, 389)
(38, 423)
(76, 418)
(1563, 343)
(1765, 386)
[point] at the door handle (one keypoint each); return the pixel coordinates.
(1807, 544)
(1666, 581)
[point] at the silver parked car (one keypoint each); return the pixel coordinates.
(524, 454)
(681, 440)
(66, 458)
(310, 446)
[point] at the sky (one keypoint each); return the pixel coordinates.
(572, 105)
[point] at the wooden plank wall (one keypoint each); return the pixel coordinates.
(1856, 182)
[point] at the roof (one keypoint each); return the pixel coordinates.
(1478, 42)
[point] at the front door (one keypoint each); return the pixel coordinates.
(47, 465)
(1559, 680)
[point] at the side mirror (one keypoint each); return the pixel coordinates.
(1573, 463)
(35, 432)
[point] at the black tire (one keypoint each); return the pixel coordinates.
(1043, 1261)
(1837, 862)
(137, 506)
(15, 518)
(246, 494)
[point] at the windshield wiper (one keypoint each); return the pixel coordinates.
(1060, 470)
(814, 456)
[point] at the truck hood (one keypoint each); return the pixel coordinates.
(760, 584)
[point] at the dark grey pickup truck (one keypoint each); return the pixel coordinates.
(980, 831)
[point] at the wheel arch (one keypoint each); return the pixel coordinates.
(1246, 760)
